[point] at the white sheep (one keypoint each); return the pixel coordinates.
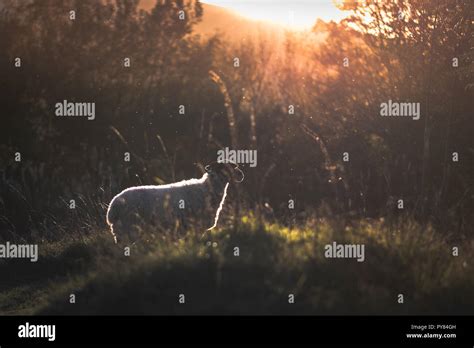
(189, 203)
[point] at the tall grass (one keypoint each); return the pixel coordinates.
(274, 261)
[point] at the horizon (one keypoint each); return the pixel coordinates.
(298, 15)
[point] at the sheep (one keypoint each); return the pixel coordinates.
(189, 203)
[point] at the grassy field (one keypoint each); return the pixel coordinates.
(274, 261)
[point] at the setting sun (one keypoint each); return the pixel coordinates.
(299, 14)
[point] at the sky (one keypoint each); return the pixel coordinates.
(297, 14)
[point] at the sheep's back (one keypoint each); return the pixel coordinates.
(161, 204)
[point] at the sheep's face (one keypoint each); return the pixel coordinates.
(225, 171)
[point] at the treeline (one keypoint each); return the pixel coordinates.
(309, 104)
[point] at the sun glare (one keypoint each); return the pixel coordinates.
(293, 14)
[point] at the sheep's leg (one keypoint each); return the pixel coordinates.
(133, 228)
(126, 232)
(118, 232)
(113, 232)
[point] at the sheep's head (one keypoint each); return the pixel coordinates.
(226, 171)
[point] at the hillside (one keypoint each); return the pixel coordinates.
(233, 26)
(218, 20)
(272, 262)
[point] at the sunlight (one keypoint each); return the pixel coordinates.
(296, 14)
